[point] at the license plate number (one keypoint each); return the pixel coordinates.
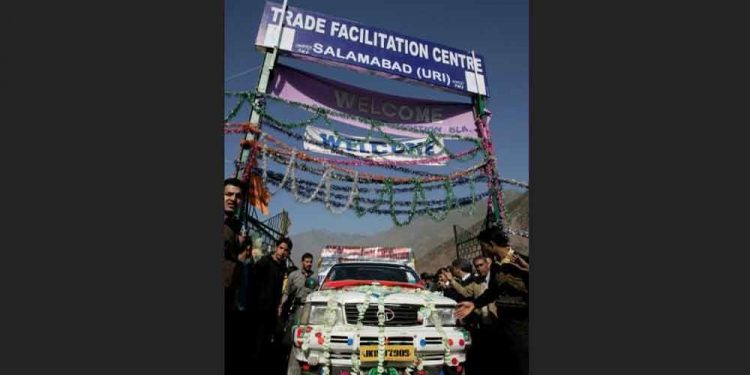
(369, 353)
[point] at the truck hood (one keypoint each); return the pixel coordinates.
(407, 297)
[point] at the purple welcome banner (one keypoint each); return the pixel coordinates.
(454, 119)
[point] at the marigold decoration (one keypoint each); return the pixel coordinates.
(258, 196)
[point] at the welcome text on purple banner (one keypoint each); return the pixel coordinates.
(452, 119)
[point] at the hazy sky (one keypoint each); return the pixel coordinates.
(496, 29)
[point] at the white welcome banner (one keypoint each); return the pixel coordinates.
(418, 151)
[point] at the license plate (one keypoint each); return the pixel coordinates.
(369, 353)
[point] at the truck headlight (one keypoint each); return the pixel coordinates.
(321, 314)
(444, 315)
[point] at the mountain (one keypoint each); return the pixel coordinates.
(433, 241)
(429, 259)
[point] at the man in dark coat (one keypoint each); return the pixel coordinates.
(479, 357)
(234, 191)
(265, 298)
(508, 290)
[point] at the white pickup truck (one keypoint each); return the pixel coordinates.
(376, 318)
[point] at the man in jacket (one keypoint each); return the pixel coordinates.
(234, 327)
(479, 357)
(265, 297)
(508, 290)
(296, 290)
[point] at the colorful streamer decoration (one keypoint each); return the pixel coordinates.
(327, 116)
(338, 198)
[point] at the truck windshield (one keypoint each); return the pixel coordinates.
(378, 272)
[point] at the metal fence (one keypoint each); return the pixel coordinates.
(467, 245)
(268, 231)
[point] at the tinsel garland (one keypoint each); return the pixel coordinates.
(288, 174)
(356, 363)
(388, 190)
(381, 333)
(307, 186)
(491, 167)
(324, 180)
(430, 305)
(380, 292)
(450, 200)
(370, 179)
(243, 98)
(286, 149)
(465, 205)
(324, 161)
(353, 194)
(282, 157)
(393, 167)
(361, 309)
(374, 209)
(418, 194)
(458, 182)
(329, 320)
(325, 114)
(363, 161)
(426, 312)
(513, 182)
(231, 128)
(320, 114)
(256, 102)
(375, 125)
(305, 340)
(359, 211)
(466, 155)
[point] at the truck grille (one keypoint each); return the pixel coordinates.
(336, 355)
(403, 315)
(433, 341)
(339, 339)
(390, 340)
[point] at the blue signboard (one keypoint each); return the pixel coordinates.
(337, 41)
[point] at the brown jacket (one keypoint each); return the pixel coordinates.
(474, 290)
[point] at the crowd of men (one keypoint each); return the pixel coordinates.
(493, 303)
(262, 295)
